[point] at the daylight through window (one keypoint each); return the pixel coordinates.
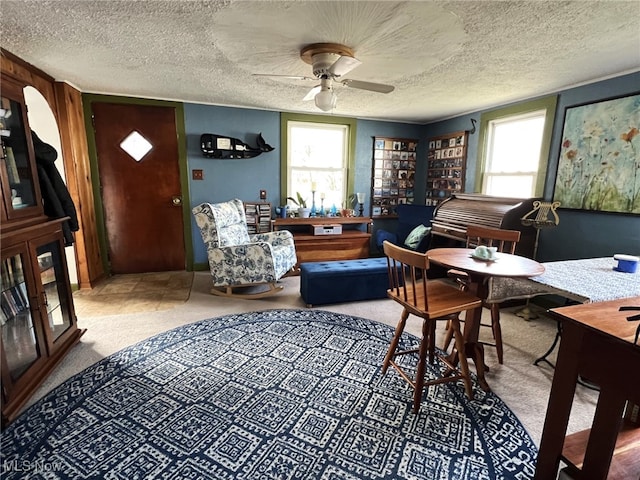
(317, 160)
(514, 149)
(513, 155)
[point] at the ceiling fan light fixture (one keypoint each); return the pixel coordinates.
(326, 100)
(330, 62)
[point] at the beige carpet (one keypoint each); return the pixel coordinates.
(524, 387)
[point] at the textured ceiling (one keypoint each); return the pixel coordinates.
(445, 58)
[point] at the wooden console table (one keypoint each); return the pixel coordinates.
(597, 343)
(352, 243)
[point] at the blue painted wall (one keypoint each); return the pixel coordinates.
(226, 179)
(579, 235)
(584, 234)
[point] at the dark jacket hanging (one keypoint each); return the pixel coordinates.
(56, 199)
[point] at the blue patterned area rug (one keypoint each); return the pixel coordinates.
(279, 394)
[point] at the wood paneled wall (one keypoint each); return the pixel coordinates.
(66, 105)
(76, 160)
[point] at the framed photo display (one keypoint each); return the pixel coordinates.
(446, 166)
(393, 175)
(599, 164)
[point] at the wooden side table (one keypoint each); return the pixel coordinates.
(597, 343)
(351, 244)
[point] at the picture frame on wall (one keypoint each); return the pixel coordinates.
(599, 159)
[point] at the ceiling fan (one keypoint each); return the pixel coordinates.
(329, 62)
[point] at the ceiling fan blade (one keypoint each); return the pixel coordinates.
(294, 77)
(312, 93)
(373, 87)
(343, 65)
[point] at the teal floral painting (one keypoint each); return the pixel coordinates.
(599, 164)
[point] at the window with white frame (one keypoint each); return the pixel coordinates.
(515, 150)
(317, 160)
(507, 173)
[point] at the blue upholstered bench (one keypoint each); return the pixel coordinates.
(343, 281)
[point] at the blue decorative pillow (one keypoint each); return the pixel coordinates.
(416, 236)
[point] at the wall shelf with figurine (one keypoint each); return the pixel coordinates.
(393, 175)
(218, 146)
(446, 166)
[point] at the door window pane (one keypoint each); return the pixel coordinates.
(136, 145)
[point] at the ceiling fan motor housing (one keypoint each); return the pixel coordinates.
(322, 62)
(321, 56)
(329, 62)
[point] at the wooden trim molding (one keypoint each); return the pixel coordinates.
(77, 167)
(30, 75)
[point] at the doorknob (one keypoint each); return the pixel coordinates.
(176, 200)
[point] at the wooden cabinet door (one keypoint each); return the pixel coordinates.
(52, 284)
(20, 188)
(22, 349)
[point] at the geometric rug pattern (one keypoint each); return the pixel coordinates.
(277, 394)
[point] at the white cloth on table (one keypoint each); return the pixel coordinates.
(587, 280)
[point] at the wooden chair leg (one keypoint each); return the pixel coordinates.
(432, 341)
(448, 336)
(497, 331)
(393, 346)
(422, 364)
(464, 365)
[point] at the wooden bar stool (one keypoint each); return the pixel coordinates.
(431, 300)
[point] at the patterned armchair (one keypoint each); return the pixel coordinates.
(237, 259)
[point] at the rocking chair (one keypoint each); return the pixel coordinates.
(237, 259)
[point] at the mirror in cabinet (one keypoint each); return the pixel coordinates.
(21, 193)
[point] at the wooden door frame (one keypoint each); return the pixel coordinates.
(88, 99)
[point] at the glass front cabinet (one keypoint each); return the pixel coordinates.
(20, 189)
(37, 318)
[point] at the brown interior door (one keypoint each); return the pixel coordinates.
(141, 197)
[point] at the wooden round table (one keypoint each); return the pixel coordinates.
(480, 271)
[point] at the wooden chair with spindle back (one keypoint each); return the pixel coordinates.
(505, 241)
(431, 300)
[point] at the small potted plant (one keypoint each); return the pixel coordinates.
(303, 211)
(352, 202)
